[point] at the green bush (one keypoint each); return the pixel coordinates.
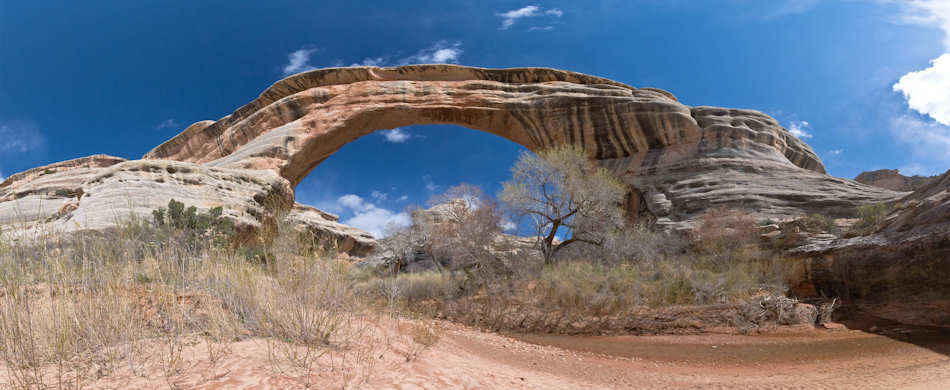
(870, 217)
(189, 224)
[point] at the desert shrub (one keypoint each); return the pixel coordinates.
(870, 216)
(411, 288)
(189, 228)
(819, 223)
(590, 286)
(465, 236)
(75, 308)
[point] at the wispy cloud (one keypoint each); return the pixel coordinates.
(799, 129)
(370, 217)
(299, 61)
(376, 61)
(396, 136)
(507, 225)
(169, 123)
(835, 152)
(441, 52)
(509, 18)
(20, 137)
(379, 195)
(931, 13)
(930, 141)
(429, 184)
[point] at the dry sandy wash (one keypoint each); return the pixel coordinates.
(464, 358)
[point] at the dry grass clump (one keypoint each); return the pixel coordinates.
(76, 309)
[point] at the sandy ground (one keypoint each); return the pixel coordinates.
(465, 358)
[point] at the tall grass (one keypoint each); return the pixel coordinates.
(77, 308)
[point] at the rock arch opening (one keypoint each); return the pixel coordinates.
(372, 180)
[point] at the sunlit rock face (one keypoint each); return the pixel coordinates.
(695, 157)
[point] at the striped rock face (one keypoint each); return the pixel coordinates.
(655, 143)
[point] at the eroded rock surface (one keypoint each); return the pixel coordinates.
(892, 179)
(102, 192)
(901, 271)
(693, 156)
(325, 226)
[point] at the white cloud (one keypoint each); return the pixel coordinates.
(509, 18)
(932, 13)
(798, 129)
(376, 61)
(370, 217)
(545, 28)
(928, 91)
(429, 184)
(299, 61)
(20, 137)
(1, 177)
(835, 152)
(403, 198)
(167, 124)
(930, 141)
(396, 136)
(379, 195)
(440, 53)
(507, 225)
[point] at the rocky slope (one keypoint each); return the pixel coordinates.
(901, 271)
(893, 180)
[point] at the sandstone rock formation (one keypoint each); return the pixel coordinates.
(892, 180)
(325, 226)
(692, 156)
(900, 272)
(678, 160)
(101, 192)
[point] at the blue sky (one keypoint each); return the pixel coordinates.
(865, 82)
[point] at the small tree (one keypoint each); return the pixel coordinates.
(562, 192)
(469, 223)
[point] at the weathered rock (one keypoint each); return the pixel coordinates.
(901, 272)
(893, 180)
(693, 156)
(101, 192)
(326, 226)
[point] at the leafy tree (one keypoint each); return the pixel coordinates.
(564, 194)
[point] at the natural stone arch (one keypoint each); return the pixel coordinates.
(678, 160)
(301, 120)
